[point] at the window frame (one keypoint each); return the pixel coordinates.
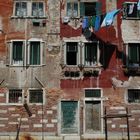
(26, 52)
(23, 51)
(125, 14)
(37, 2)
(14, 12)
(98, 54)
(29, 9)
(127, 96)
(16, 103)
(92, 99)
(78, 53)
(43, 96)
(127, 44)
(41, 51)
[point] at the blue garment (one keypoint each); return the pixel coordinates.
(97, 23)
(85, 22)
(109, 18)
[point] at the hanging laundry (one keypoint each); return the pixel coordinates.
(131, 8)
(97, 23)
(109, 18)
(85, 22)
(138, 5)
(93, 18)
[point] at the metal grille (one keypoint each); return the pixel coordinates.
(134, 95)
(15, 96)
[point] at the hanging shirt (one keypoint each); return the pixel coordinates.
(85, 22)
(97, 23)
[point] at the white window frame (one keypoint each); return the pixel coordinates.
(78, 3)
(41, 50)
(29, 9)
(78, 53)
(11, 52)
(93, 99)
(78, 116)
(14, 10)
(43, 8)
(7, 99)
(83, 54)
(126, 96)
(127, 2)
(44, 97)
(127, 49)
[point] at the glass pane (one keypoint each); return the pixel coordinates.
(133, 54)
(69, 118)
(15, 96)
(40, 9)
(34, 9)
(134, 96)
(71, 53)
(35, 53)
(36, 96)
(17, 51)
(24, 8)
(92, 93)
(75, 10)
(69, 9)
(17, 9)
(131, 10)
(90, 54)
(93, 116)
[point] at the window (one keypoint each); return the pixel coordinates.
(36, 96)
(69, 117)
(29, 9)
(131, 11)
(88, 8)
(93, 105)
(134, 95)
(15, 96)
(90, 54)
(76, 9)
(17, 53)
(71, 53)
(21, 9)
(37, 9)
(23, 53)
(35, 53)
(134, 54)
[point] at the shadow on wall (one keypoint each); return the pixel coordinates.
(106, 53)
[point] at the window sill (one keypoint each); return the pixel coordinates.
(28, 17)
(15, 104)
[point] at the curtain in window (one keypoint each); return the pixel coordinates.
(35, 53)
(17, 51)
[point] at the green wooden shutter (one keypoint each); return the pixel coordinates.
(82, 9)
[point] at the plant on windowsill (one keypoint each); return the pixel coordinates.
(67, 73)
(87, 73)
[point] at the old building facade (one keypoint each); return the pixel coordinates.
(60, 70)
